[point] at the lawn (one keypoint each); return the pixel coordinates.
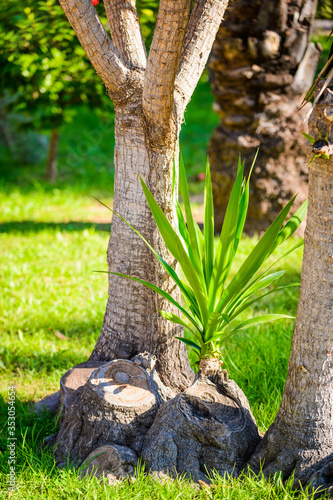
(49, 288)
(52, 306)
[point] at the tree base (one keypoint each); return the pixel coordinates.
(114, 412)
(106, 404)
(278, 452)
(209, 427)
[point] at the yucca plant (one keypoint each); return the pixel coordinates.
(213, 301)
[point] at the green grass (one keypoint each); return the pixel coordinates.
(48, 286)
(50, 246)
(51, 240)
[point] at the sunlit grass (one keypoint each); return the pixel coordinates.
(51, 240)
(48, 287)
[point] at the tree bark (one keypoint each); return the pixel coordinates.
(209, 427)
(110, 402)
(52, 157)
(132, 323)
(261, 65)
(301, 436)
(114, 412)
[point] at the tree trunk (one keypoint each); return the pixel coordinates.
(132, 323)
(301, 437)
(52, 157)
(261, 65)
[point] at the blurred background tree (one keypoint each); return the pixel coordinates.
(46, 75)
(262, 64)
(44, 87)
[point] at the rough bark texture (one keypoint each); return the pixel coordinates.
(113, 404)
(113, 461)
(208, 427)
(261, 65)
(52, 157)
(132, 323)
(301, 438)
(149, 105)
(109, 419)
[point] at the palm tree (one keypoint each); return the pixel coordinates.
(300, 439)
(261, 65)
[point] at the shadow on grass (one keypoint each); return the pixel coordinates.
(28, 226)
(43, 363)
(30, 431)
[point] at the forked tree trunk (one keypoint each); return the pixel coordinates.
(111, 401)
(261, 66)
(301, 437)
(150, 96)
(52, 157)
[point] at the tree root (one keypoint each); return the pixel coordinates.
(209, 427)
(279, 452)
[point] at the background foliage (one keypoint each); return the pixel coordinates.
(44, 65)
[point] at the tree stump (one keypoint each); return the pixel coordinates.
(113, 417)
(72, 380)
(116, 405)
(208, 427)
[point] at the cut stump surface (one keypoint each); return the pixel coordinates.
(115, 404)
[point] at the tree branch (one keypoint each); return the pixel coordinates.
(126, 31)
(204, 23)
(163, 61)
(97, 45)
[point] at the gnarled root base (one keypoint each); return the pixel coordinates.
(110, 416)
(113, 403)
(208, 427)
(279, 452)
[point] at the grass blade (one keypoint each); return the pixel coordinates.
(261, 283)
(185, 289)
(194, 251)
(179, 321)
(255, 286)
(161, 292)
(181, 225)
(256, 258)
(249, 323)
(292, 225)
(190, 343)
(243, 207)
(249, 302)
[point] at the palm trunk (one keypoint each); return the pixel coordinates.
(52, 157)
(301, 438)
(261, 66)
(132, 323)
